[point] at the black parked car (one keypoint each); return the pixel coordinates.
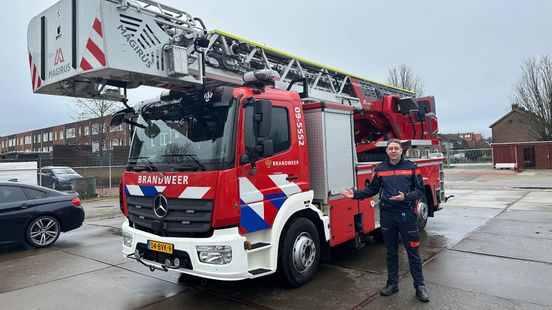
(58, 177)
(36, 214)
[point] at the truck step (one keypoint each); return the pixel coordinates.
(259, 245)
(258, 271)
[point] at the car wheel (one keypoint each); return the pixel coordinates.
(43, 231)
(299, 255)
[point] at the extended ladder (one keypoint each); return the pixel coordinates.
(119, 44)
(231, 54)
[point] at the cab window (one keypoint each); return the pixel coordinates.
(279, 133)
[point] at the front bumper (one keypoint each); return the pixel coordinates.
(185, 249)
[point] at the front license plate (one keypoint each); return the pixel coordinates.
(160, 246)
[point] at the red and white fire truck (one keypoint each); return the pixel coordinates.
(236, 170)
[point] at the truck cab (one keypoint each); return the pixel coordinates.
(207, 168)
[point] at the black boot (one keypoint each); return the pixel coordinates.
(421, 293)
(389, 289)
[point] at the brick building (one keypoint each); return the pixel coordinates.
(86, 132)
(515, 144)
(512, 127)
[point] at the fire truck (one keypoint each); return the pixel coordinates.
(235, 170)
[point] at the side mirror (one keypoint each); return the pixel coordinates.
(244, 159)
(118, 118)
(127, 115)
(263, 118)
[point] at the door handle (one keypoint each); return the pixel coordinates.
(292, 177)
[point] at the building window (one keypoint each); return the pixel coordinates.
(45, 137)
(61, 134)
(86, 131)
(50, 136)
(95, 129)
(70, 133)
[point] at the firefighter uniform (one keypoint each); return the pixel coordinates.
(398, 217)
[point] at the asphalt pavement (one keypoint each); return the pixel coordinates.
(489, 248)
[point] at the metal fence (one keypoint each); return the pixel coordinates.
(103, 179)
(476, 157)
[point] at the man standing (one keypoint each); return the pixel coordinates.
(401, 184)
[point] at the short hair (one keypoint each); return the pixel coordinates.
(393, 140)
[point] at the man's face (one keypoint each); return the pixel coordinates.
(394, 151)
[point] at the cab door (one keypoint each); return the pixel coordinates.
(275, 177)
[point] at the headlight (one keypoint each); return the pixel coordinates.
(215, 254)
(127, 239)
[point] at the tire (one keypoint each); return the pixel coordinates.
(424, 215)
(43, 231)
(299, 255)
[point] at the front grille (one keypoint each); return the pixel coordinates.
(185, 217)
(160, 257)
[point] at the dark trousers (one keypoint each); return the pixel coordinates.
(405, 224)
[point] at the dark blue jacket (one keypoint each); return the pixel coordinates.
(390, 179)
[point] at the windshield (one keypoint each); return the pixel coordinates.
(188, 134)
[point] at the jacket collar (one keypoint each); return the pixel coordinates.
(398, 163)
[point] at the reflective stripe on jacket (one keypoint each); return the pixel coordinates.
(391, 179)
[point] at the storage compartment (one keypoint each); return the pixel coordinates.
(342, 216)
(332, 156)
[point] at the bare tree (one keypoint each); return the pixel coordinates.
(533, 94)
(402, 76)
(98, 109)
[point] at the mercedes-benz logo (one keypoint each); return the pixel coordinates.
(160, 206)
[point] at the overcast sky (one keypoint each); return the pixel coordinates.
(468, 53)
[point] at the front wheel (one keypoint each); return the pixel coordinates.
(299, 254)
(43, 231)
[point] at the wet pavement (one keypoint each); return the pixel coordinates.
(490, 247)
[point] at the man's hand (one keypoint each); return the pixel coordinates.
(348, 193)
(399, 197)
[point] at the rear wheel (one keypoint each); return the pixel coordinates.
(422, 213)
(43, 231)
(299, 254)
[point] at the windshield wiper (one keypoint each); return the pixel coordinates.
(145, 165)
(197, 164)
